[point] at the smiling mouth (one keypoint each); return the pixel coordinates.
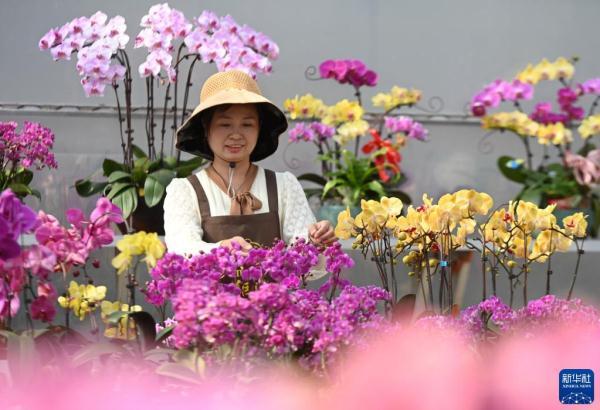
(234, 147)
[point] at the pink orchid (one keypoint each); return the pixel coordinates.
(208, 21)
(586, 169)
(50, 39)
(591, 86)
(39, 260)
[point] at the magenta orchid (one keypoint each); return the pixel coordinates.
(494, 93)
(22, 152)
(354, 72)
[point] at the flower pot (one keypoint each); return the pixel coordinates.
(329, 212)
(146, 219)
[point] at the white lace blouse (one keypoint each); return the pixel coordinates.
(183, 224)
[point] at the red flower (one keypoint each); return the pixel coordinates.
(386, 161)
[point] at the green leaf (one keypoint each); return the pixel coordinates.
(114, 317)
(179, 372)
(185, 168)
(117, 188)
(514, 174)
(171, 162)
(313, 192)
(138, 152)
(36, 194)
(331, 184)
(118, 176)
(159, 351)
(109, 166)
(165, 333)
(154, 165)
(127, 200)
(85, 187)
(315, 178)
(531, 195)
(190, 359)
(146, 328)
(595, 222)
(94, 351)
(376, 187)
(141, 163)
(155, 185)
(20, 190)
(23, 175)
(164, 176)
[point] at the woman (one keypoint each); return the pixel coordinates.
(233, 200)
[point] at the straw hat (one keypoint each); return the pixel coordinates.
(232, 87)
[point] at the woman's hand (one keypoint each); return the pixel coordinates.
(244, 245)
(321, 233)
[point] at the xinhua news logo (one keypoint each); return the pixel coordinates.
(576, 386)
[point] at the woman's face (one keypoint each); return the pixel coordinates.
(233, 132)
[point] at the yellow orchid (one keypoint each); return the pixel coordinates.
(82, 299)
(373, 215)
(349, 131)
(515, 121)
(393, 206)
(466, 227)
(153, 248)
(305, 107)
(132, 244)
(139, 243)
(383, 100)
(345, 225)
(343, 111)
(396, 97)
(524, 215)
(544, 218)
(546, 70)
(564, 68)
(576, 224)
(120, 329)
(548, 242)
(555, 134)
(495, 229)
(529, 75)
(589, 126)
(122, 262)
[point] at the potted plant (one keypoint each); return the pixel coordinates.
(571, 181)
(137, 184)
(346, 177)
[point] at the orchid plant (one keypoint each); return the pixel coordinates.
(344, 175)
(20, 152)
(170, 40)
(510, 239)
(255, 305)
(28, 272)
(573, 181)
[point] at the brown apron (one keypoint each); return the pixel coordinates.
(260, 228)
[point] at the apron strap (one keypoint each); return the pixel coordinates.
(201, 195)
(272, 191)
